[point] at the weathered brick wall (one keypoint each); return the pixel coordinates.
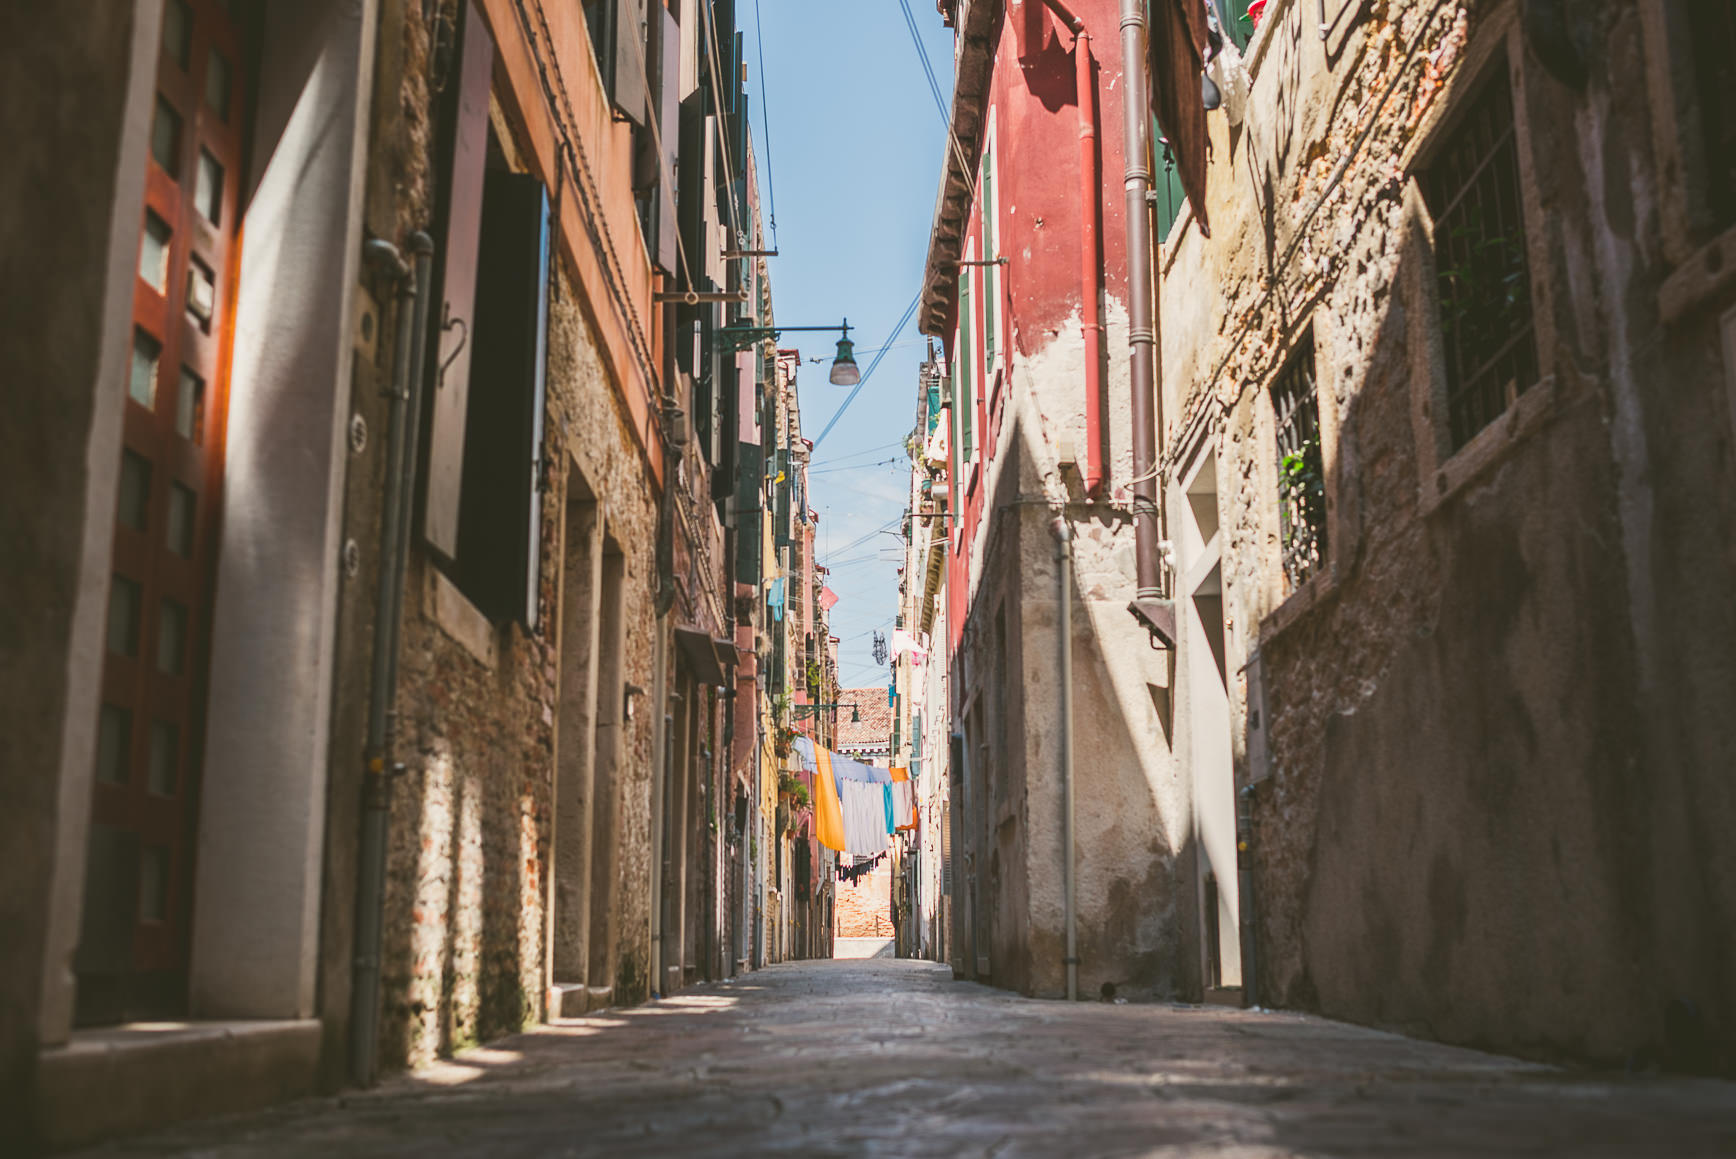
(1467, 814)
(472, 818)
(864, 908)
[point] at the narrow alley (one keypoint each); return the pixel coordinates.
(891, 1057)
(868, 577)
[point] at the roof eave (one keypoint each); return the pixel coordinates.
(952, 209)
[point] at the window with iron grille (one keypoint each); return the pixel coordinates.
(1714, 47)
(1301, 470)
(1483, 283)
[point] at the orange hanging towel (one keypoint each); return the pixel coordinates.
(828, 813)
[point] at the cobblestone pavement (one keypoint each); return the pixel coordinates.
(889, 1057)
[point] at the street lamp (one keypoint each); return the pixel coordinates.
(844, 370)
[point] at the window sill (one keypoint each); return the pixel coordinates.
(1321, 587)
(1495, 443)
(460, 619)
(1706, 273)
(125, 1079)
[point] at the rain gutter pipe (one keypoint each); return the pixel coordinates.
(1090, 226)
(1148, 606)
(404, 413)
(1063, 533)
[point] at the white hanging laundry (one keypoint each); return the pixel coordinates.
(864, 818)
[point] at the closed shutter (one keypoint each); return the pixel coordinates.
(631, 90)
(665, 251)
(454, 338)
(946, 856)
(500, 525)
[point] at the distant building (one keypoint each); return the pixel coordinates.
(868, 739)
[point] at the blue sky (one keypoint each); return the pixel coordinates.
(855, 147)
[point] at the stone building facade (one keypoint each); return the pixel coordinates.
(1445, 430)
(383, 707)
(1028, 338)
(1448, 445)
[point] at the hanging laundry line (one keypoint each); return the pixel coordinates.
(857, 807)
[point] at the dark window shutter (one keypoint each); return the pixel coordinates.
(664, 249)
(500, 525)
(455, 345)
(630, 90)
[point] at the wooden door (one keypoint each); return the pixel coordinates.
(133, 953)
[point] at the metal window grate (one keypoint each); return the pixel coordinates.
(1714, 41)
(1301, 468)
(1484, 285)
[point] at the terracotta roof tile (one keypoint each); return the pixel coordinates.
(875, 727)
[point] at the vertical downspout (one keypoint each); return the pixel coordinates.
(403, 421)
(1063, 533)
(1148, 604)
(1090, 269)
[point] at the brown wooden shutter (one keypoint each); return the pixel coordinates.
(632, 93)
(664, 247)
(500, 525)
(451, 369)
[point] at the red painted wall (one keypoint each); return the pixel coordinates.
(1033, 132)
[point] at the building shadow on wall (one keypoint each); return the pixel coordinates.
(1137, 909)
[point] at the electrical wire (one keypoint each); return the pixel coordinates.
(909, 312)
(766, 122)
(657, 141)
(861, 539)
(927, 67)
(939, 101)
(856, 466)
(868, 451)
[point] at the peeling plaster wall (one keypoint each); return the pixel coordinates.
(1132, 829)
(472, 826)
(1489, 746)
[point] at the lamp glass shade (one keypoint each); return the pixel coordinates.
(855, 715)
(844, 371)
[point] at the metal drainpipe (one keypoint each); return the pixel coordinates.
(1148, 604)
(1063, 533)
(403, 420)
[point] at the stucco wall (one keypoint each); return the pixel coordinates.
(1482, 744)
(1134, 902)
(63, 93)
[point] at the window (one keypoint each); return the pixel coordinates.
(1483, 284)
(154, 252)
(178, 537)
(1166, 184)
(217, 83)
(142, 382)
(135, 498)
(172, 638)
(166, 138)
(991, 300)
(1714, 48)
(1301, 470)
(500, 500)
(1233, 18)
(209, 197)
(165, 753)
(125, 600)
(177, 32)
(113, 737)
(190, 407)
(620, 36)
(965, 404)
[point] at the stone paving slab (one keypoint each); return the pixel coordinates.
(889, 1057)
